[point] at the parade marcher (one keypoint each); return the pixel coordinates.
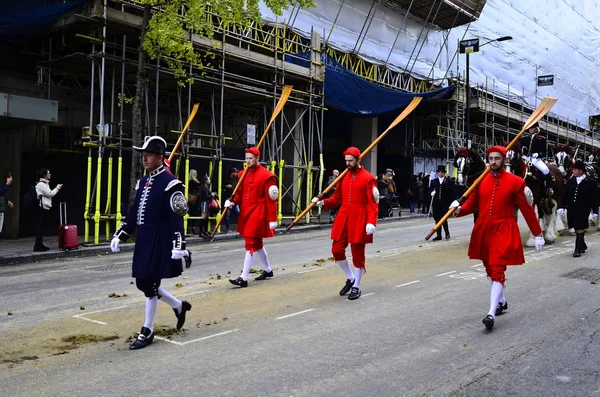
(495, 238)
(157, 214)
(579, 198)
(257, 197)
(45, 194)
(443, 192)
(533, 149)
(357, 196)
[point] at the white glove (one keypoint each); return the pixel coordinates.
(539, 242)
(560, 211)
(535, 155)
(114, 244)
(433, 193)
(178, 254)
(272, 225)
(318, 202)
(229, 204)
(455, 204)
(370, 229)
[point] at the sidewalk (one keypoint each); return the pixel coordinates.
(14, 251)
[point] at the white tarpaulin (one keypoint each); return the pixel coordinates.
(550, 37)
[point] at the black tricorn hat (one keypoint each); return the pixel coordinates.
(441, 168)
(580, 165)
(153, 144)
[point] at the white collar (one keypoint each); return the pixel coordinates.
(580, 178)
(157, 171)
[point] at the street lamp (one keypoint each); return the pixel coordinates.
(467, 47)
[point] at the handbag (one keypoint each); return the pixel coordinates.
(409, 193)
(192, 199)
(214, 204)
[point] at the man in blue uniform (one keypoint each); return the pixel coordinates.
(157, 214)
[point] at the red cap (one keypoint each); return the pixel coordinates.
(352, 151)
(497, 148)
(253, 151)
(167, 162)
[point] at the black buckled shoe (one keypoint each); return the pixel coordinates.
(264, 275)
(488, 321)
(583, 247)
(438, 238)
(501, 307)
(447, 237)
(354, 293)
(188, 259)
(185, 307)
(144, 339)
(239, 281)
(347, 287)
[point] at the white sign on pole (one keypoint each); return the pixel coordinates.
(251, 134)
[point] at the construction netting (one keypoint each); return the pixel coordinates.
(22, 19)
(348, 92)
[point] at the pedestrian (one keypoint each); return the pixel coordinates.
(193, 202)
(229, 188)
(257, 197)
(534, 151)
(4, 202)
(411, 193)
(157, 214)
(45, 194)
(426, 199)
(358, 197)
(496, 239)
(204, 199)
(333, 177)
(443, 192)
(579, 198)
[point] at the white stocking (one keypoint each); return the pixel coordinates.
(264, 259)
(495, 294)
(248, 260)
(358, 272)
(346, 268)
(169, 299)
(151, 305)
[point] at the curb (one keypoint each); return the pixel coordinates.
(128, 247)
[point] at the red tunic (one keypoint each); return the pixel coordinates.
(257, 208)
(355, 195)
(496, 239)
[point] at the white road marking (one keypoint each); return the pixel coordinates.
(123, 263)
(443, 274)
(312, 270)
(477, 265)
(168, 340)
(405, 284)
(370, 293)
(208, 337)
(81, 316)
(294, 314)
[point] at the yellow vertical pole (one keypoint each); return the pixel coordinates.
(219, 191)
(309, 178)
(321, 176)
(98, 197)
(109, 196)
(88, 194)
(280, 187)
(299, 186)
(186, 192)
(119, 179)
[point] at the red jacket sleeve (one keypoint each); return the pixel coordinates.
(471, 205)
(527, 211)
(336, 199)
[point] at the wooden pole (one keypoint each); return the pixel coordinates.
(409, 108)
(185, 128)
(285, 94)
(538, 113)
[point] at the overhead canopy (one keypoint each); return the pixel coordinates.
(348, 92)
(446, 14)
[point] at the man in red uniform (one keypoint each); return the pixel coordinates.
(358, 197)
(257, 197)
(496, 239)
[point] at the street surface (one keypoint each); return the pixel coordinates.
(416, 330)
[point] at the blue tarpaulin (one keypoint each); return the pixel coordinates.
(348, 92)
(22, 19)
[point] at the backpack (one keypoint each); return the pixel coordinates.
(31, 199)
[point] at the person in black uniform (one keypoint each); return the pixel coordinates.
(157, 214)
(579, 198)
(443, 192)
(533, 149)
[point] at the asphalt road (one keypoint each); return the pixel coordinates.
(416, 331)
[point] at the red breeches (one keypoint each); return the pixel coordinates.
(338, 249)
(253, 244)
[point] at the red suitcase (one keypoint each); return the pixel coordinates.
(67, 234)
